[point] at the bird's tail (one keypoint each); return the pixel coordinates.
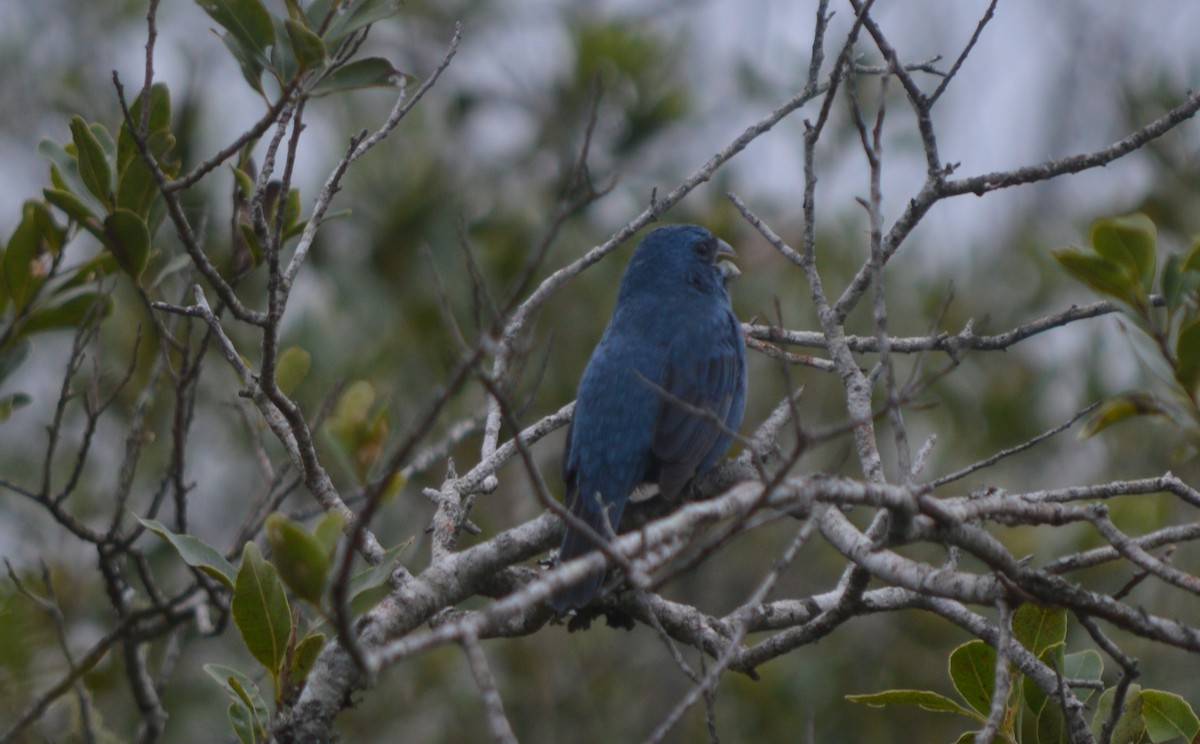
(575, 544)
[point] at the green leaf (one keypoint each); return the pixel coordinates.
(372, 72)
(973, 672)
(20, 278)
(242, 723)
(136, 188)
(245, 183)
(246, 20)
(291, 367)
(305, 656)
(1127, 241)
(306, 46)
(329, 530)
(1051, 728)
(1083, 665)
(926, 699)
(70, 313)
(368, 587)
(128, 238)
(1119, 408)
(195, 552)
(300, 557)
(1098, 273)
(160, 121)
(260, 609)
(284, 65)
(50, 232)
(243, 692)
(1172, 282)
(1039, 628)
(1168, 716)
(72, 206)
(1130, 724)
(93, 163)
(11, 403)
(1192, 261)
(360, 14)
(249, 60)
(1187, 355)
(13, 357)
(291, 209)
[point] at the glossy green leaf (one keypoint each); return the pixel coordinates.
(973, 672)
(1098, 273)
(372, 72)
(11, 403)
(93, 163)
(1127, 241)
(128, 237)
(69, 313)
(291, 368)
(305, 656)
(926, 699)
(300, 557)
(261, 611)
(195, 552)
(307, 47)
(1168, 717)
(1130, 725)
(1039, 628)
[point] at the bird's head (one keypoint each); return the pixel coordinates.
(678, 256)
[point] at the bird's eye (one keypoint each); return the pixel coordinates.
(706, 249)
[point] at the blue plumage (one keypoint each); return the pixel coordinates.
(672, 337)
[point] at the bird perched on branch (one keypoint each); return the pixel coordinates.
(663, 392)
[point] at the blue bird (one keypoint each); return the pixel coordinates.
(672, 338)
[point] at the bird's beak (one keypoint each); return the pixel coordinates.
(729, 272)
(725, 249)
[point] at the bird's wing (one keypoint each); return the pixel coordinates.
(705, 367)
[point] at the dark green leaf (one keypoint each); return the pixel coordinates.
(243, 691)
(50, 232)
(317, 11)
(371, 585)
(160, 121)
(21, 279)
(13, 357)
(1168, 716)
(973, 672)
(1099, 273)
(926, 699)
(69, 313)
(1187, 355)
(307, 47)
(195, 552)
(250, 62)
(11, 403)
(283, 59)
(291, 209)
(128, 237)
(94, 167)
(246, 20)
(72, 206)
(1127, 241)
(372, 72)
(300, 557)
(1172, 283)
(260, 609)
(1083, 665)
(305, 656)
(359, 14)
(1192, 262)
(136, 188)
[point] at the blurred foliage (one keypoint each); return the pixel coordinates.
(446, 192)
